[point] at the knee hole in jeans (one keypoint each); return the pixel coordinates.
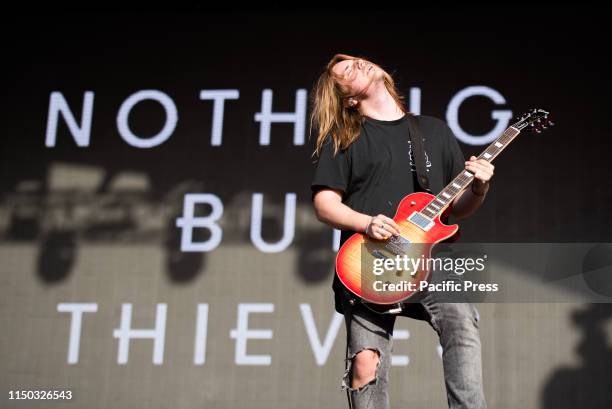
(362, 368)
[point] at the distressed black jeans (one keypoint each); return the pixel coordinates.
(457, 327)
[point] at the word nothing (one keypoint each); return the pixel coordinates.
(81, 130)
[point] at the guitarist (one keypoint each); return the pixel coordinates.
(365, 167)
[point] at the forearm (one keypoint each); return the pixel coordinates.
(340, 216)
(469, 201)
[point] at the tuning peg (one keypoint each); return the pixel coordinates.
(549, 121)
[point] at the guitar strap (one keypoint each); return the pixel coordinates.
(348, 316)
(418, 153)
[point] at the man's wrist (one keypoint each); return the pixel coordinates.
(368, 224)
(481, 190)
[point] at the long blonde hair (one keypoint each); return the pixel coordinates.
(331, 113)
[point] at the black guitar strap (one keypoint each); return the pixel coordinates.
(418, 153)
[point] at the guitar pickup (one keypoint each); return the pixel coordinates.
(421, 221)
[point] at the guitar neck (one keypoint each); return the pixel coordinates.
(463, 179)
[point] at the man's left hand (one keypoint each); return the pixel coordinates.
(483, 172)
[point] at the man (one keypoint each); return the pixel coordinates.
(365, 167)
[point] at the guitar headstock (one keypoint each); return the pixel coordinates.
(535, 120)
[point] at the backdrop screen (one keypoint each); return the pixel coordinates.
(158, 244)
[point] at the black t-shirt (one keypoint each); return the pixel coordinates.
(377, 170)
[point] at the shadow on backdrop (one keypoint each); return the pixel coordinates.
(586, 385)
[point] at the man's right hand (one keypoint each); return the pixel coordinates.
(382, 227)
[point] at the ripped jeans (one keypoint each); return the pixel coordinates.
(457, 327)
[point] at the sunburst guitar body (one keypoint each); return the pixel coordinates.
(359, 256)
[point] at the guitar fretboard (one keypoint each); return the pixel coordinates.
(463, 180)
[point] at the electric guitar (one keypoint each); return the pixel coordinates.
(360, 260)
